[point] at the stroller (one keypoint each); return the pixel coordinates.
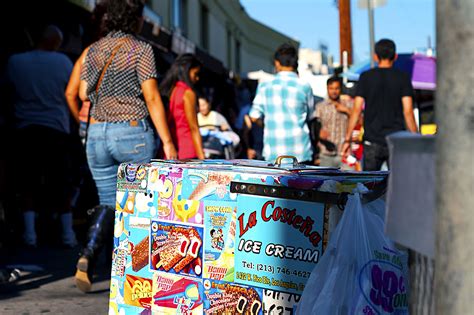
(217, 143)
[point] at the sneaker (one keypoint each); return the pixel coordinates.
(83, 276)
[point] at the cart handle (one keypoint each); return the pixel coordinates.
(281, 157)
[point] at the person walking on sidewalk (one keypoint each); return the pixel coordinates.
(388, 97)
(178, 86)
(284, 104)
(39, 78)
(80, 112)
(119, 78)
(333, 114)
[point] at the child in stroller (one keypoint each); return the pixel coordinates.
(218, 139)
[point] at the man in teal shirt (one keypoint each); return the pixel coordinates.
(285, 104)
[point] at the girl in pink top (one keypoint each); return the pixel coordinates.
(182, 116)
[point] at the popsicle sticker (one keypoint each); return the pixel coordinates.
(191, 294)
(174, 294)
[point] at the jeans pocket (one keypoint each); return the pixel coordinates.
(137, 147)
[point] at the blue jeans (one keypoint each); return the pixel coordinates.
(109, 145)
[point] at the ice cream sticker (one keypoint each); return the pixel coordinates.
(174, 294)
(205, 185)
(229, 298)
(137, 291)
(171, 204)
(176, 248)
(132, 178)
(220, 223)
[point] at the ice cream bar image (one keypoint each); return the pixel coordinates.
(194, 247)
(255, 308)
(183, 246)
(193, 251)
(173, 255)
(191, 292)
(140, 254)
(241, 304)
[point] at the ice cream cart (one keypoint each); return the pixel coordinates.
(223, 237)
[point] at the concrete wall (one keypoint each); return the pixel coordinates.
(217, 39)
(228, 22)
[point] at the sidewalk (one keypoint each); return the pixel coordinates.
(46, 284)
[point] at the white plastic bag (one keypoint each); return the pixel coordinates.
(361, 271)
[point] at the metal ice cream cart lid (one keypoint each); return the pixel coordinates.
(285, 163)
(289, 169)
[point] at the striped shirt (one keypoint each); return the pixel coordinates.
(334, 122)
(120, 96)
(285, 103)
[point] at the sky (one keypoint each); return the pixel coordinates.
(408, 22)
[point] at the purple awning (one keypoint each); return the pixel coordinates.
(424, 72)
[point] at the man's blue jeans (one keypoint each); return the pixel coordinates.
(109, 145)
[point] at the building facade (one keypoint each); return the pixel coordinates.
(223, 29)
(315, 61)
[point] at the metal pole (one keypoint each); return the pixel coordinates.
(344, 66)
(454, 266)
(370, 9)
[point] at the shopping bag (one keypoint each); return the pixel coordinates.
(361, 271)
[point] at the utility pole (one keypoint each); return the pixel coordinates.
(370, 10)
(370, 5)
(454, 266)
(345, 30)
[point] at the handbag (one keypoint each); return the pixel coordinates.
(99, 82)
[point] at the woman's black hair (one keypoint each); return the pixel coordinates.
(97, 24)
(123, 15)
(179, 71)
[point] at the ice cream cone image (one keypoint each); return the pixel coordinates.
(204, 189)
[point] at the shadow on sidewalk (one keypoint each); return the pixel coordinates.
(43, 266)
